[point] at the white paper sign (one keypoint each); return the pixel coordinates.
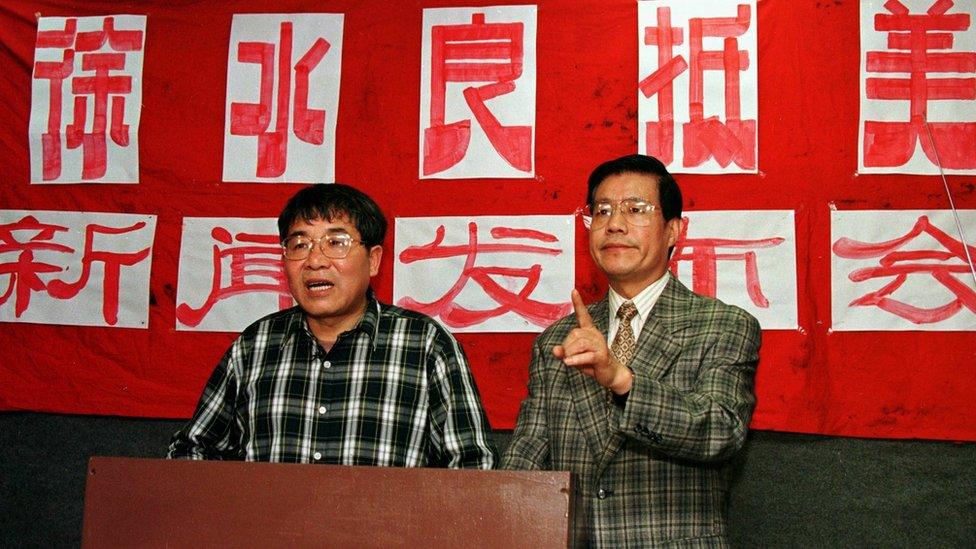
(282, 97)
(230, 275)
(477, 92)
(902, 270)
(697, 104)
(488, 273)
(745, 258)
(75, 268)
(86, 99)
(918, 93)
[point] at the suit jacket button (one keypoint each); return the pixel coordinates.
(602, 494)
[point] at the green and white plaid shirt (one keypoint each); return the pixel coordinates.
(394, 391)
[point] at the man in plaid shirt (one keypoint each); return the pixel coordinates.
(648, 421)
(341, 378)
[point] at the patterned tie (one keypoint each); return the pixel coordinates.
(623, 348)
(624, 344)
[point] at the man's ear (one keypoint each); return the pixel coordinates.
(673, 227)
(375, 255)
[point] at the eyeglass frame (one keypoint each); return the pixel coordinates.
(318, 243)
(585, 211)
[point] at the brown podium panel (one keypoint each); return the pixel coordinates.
(174, 503)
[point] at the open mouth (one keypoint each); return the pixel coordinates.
(318, 285)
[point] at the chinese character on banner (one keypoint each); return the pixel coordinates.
(74, 268)
(230, 274)
(86, 99)
(282, 98)
(902, 270)
(918, 87)
(494, 274)
(477, 92)
(745, 258)
(697, 87)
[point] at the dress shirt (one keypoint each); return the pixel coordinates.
(644, 301)
(393, 391)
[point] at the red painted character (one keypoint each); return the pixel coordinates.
(911, 39)
(899, 264)
(702, 252)
(24, 272)
(454, 315)
(476, 52)
(98, 82)
(255, 255)
(254, 119)
(733, 140)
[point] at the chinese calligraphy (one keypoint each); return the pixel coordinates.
(718, 118)
(37, 257)
(926, 58)
(527, 280)
(293, 138)
(231, 273)
(923, 255)
(98, 62)
(459, 55)
(746, 258)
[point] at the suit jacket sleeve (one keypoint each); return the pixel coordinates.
(529, 447)
(699, 407)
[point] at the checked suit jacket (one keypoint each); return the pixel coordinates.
(655, 470)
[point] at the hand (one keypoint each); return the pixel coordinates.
(585, 349)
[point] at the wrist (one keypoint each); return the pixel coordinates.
(623, 381)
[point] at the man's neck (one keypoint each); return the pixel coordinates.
(627, 289)
(328, 330)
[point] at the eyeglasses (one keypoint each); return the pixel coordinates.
(334, 246)
(636, 211)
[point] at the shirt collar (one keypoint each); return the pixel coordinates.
(369, 324)
(644, 301)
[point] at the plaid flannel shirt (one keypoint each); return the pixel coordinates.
(394, 391)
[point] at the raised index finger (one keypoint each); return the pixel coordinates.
(582, 315)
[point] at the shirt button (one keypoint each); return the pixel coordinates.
(601, 493)
(326, 364)
(317, 456)
(321, 409)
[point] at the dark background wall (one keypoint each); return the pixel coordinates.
(791, 490)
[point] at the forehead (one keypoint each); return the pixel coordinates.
(318, 227)
(627, 185)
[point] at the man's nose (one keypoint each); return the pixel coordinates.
(617, 223)
(316, 257)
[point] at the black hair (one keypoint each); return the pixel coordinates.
(667, 188)
(331, 201)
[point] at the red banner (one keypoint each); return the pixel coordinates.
(890, 384)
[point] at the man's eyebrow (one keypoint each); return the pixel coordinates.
(331, 231)
(604, 199)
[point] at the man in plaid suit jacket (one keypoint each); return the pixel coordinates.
(647, 423)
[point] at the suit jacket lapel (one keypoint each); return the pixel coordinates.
(657, 351)
(590, 398)
(657, 348)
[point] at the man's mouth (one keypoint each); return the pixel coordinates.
(318, 285)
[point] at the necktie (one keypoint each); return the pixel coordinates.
(623, 347)
(624, 344)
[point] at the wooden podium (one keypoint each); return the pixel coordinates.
(173, 503)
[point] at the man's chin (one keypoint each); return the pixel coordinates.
(318, 309)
